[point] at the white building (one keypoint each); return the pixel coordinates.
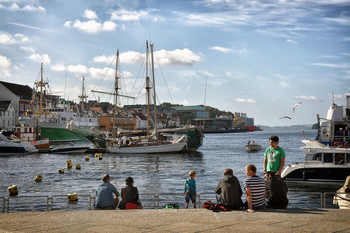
(7, 115)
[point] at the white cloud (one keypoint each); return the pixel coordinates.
(89, 14)
(176, 57)
(331, 65)
(221, 49)
(13, 39)
(44, 58)
(16, 7)
(103, 59)
(93, 26)
(124, 15)
(5, 65)
(242, 100)
(67, 24)
(304, 97)
(80, 69)
(58, 67)
(28, 49)
(284, 84)
(292, 41)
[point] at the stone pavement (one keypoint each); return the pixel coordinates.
(178, 220)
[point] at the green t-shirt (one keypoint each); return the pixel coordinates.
(274, 158)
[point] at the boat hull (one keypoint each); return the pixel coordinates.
(69, 150)
(59, 135)
(4, 150)
(149, 149)
(316, 173)
(251, 148)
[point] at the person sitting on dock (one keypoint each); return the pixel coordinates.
(276, 190)
(104, 195)
(255, 188)
(130, 196)
(229, 191)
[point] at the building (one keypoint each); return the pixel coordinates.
(21, 97)
(7, 115)
(188, 113)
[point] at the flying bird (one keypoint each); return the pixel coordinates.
(287, 117)
(296, 105)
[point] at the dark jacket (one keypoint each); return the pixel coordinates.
(230, 192)
(277, 193)
(129, 194)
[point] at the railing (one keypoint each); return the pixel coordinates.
(149, 201)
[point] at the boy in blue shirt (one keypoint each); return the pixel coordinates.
(190, 189)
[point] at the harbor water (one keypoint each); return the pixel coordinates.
(162, 174)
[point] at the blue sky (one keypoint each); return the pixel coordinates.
(258, 57)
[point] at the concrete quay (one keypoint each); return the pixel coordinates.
(178, 220)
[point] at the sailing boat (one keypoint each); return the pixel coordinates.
(151, 143)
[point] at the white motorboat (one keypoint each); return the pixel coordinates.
(327, 158)
(342, 197)
(252, 146)
(321, 164)
(9, 147)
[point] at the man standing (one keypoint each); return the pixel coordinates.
(255, 189)
(230, 191)
(274, 157)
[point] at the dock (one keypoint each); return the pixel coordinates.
(178, 220)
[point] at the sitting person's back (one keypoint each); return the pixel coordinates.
(230, 190)
(277, 192)
(129, 194)
(104, 194)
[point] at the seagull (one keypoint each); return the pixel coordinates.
(296, 105)
(286, 117)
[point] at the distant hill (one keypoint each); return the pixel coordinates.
(292, 127)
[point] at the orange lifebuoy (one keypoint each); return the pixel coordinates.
(338, 144)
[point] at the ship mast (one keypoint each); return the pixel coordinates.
(147, 88)
(83, 96)
(41, 84)
(116, 94)
(154, 95)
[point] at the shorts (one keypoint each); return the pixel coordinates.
(190, 195)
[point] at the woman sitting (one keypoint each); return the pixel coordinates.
(130, 196)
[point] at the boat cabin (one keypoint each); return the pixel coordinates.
(328, 157)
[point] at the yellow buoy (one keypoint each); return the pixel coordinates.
(77, 167)
(87, 158)
(69, 164)
(97, 155)
(61, 170)
(13, 191)
(72, 197)
(38, 178)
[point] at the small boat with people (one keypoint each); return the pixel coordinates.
(327, 158)
(252, 146)
(342, 197)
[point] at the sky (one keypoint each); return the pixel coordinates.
(259, 57)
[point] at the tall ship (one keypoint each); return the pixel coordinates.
(53, 120)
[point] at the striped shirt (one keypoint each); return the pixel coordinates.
(257, 188)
